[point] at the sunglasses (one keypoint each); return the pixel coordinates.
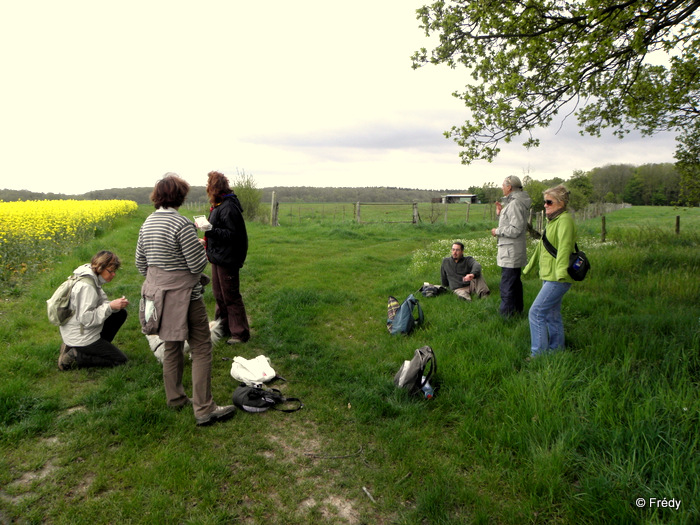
(548, 202)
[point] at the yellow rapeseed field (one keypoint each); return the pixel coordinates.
(31, 230)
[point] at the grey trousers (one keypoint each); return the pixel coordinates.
(475, 286)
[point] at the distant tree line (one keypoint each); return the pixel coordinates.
(198, 194)
(368, 194)
(138, 195)
(648, 185)
(242, 183)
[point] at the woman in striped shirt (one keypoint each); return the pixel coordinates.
(171, 257)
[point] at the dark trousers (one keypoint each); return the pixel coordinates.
(511, 292)
(102, 352)
(225, 285)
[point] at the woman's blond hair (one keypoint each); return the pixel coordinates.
(558, 193)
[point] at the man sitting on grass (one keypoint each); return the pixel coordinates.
(463, 274)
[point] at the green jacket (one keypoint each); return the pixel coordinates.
(561, 232)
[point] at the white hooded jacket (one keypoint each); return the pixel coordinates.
(91, 307)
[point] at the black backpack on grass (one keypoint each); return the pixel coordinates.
(258, 399)
(432, 290)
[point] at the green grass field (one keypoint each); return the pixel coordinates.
(376, 213)
(604, 432)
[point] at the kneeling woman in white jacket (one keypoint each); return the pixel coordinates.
(87, 336)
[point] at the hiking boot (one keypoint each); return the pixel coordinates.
(220, 414)
(66, 357)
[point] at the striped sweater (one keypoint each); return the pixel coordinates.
(169, 241)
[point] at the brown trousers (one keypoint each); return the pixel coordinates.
(226, 284)
(199, 339)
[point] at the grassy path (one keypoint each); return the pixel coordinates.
(575, 437)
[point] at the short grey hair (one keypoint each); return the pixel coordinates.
(514, 182)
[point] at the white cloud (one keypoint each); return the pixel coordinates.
(311, 93)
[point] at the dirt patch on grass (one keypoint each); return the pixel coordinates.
(301, 444)
(333, 509)
(22, 484)
(22, 487)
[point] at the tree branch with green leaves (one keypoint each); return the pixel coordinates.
(529, 60)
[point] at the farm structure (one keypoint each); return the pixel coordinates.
(457, 198)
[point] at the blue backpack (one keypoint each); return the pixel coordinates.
(400, 319)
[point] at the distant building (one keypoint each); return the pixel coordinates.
(460, 198)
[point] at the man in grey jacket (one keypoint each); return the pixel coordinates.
(463, 274)
(513, 214)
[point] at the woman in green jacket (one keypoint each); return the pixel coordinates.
(546, 325)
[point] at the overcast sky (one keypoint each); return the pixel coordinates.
(102, 95)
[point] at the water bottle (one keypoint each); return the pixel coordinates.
(427, 390)
(577, 263)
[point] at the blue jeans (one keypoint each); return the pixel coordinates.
(546, 324)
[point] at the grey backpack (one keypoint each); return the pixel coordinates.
(58, 307)
(414, 374)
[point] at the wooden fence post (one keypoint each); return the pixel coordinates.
(415, 212)
(678, 224)
(602, 228)
(357, 213)
(538, 222)
(469, 205)
(274, 210)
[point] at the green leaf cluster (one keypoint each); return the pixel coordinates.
(530, 60)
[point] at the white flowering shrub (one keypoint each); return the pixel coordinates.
(426, 261)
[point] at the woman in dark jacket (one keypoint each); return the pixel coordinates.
(227, 247)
